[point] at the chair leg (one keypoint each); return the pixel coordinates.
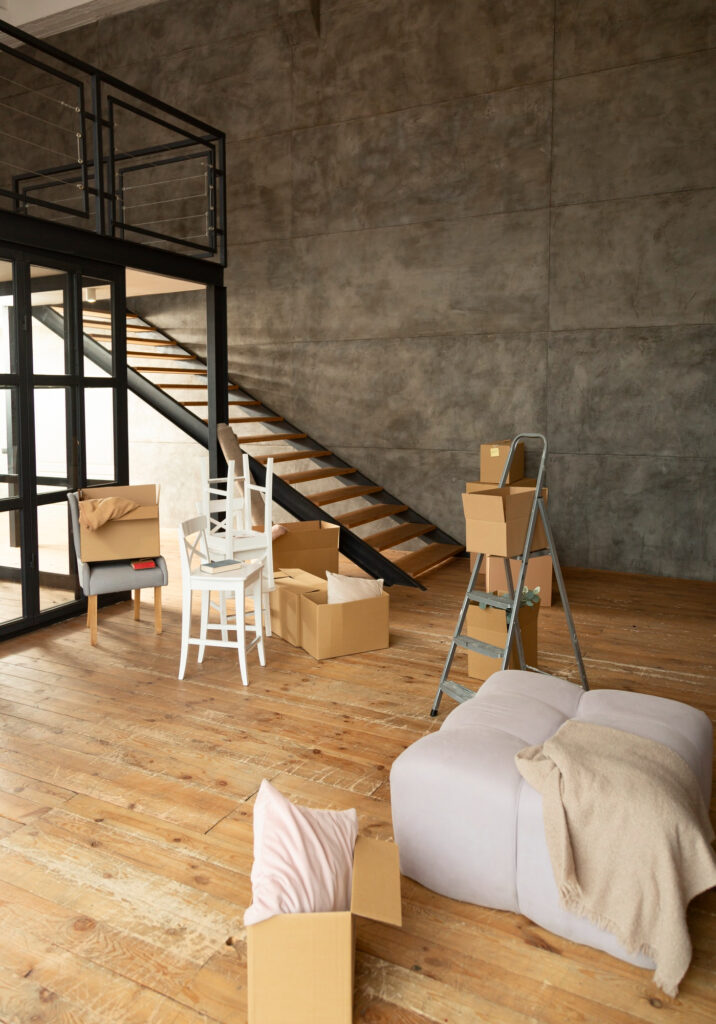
(137, 597)
(205, 601)
(241, 634)
(185, 626)
(258, 622)
(92, 618)
(222, 615)
(158, 610)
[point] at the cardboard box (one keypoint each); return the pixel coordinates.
(285, 605)
(352, 627)
(496, 520)
(135, 535)
(312, 546)
(301, 966)
(490, 626)
(539, 574)
(493, 458)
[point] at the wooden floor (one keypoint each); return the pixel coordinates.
(126, 802)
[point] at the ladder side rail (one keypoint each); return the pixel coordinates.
(513, 627)
(563, 595)
(513, 613)
(458, 630)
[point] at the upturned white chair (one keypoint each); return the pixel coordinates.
(245, 581)
(229, 504)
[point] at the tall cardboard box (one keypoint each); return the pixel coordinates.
(496, 520)
(135, 535)
(285, 602)
(310, 545)
(490, 626)
(301, 966)
(493, 458)
(539, 574)
(352, 627)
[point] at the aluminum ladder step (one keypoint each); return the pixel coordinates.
(457, 691)
(492, 600)
(469, 643)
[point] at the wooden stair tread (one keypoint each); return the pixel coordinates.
(316, 474)
(398, 535)
(256, 419)
(369, 514)
(168, 369)
(429, 557)
(190, 387)
(161, 355)
(295, 456)
(344, 493)
(270, 437)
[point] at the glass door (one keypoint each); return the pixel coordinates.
(63, 422)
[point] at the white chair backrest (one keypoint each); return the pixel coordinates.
(192, 543)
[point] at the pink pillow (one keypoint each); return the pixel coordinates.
(277, 531)
(303, 859)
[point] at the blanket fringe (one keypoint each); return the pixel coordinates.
(572, 900)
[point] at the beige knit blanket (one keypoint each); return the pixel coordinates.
(95, 512)
(628, 837)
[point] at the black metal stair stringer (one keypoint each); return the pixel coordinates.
(291, 500)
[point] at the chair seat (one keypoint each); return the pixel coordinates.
(241, 576)
(112, 577)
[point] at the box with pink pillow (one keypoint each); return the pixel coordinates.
(312, 876)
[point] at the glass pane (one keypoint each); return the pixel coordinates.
(51, 438)
(57, 583)
(99, 433)
(97, 326)
(10, 566)
(9, 444)
(50, 350)
(7, 325)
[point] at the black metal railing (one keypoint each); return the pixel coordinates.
(83, 147)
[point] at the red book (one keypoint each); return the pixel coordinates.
(144, 563)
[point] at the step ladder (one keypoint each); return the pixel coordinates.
(509, 602)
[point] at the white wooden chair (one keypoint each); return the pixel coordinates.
(245, 581)
(227, 504)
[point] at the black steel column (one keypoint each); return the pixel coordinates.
(217, 365)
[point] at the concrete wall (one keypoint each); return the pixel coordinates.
(453, 221)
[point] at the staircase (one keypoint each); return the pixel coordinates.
(172, 379)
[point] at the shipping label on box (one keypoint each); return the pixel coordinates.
(311, 545)
(135, 535)
(490, 626)
(301, 966)
(493, 458)
(539, 574)
(351, 627)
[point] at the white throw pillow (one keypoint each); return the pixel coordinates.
(351, 588)
(303, 859)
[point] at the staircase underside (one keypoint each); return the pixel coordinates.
(310, 481)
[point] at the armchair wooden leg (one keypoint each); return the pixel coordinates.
(92, 618)
(157, 610)
(137, 595)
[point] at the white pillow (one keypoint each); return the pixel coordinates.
(303, 859)
(351, 588)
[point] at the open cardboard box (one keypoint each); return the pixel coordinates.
(310, 545)
(496, 519)
(135, 535)
(490, 626)
(301, 966)
(493, 458)
(300, 614)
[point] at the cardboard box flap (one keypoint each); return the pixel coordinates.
(308, 534)
(298, 580)
(498, 504)
(143, 494)
(143, 512)
(376, 881)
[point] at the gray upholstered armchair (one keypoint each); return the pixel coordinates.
(114, 577)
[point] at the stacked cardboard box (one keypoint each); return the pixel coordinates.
(135, 535)
(490, 626)
(300, 614)
(310, 545)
